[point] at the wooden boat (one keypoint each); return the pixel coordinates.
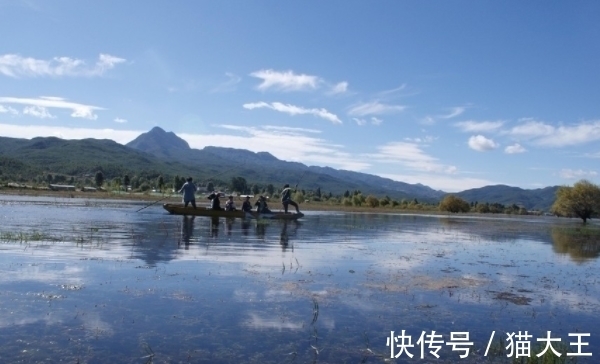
(179, 209)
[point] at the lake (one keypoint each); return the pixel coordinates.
(94, 281)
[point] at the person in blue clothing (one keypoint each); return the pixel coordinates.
(286, 199)
(189, 193)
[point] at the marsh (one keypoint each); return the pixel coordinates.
(94, 281)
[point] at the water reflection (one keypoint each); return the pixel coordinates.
(245, 226)
(214, 226)
(229, 225)
(581, 244)
(261, 229)
(187, 230)
(155, 278)
(284, 237)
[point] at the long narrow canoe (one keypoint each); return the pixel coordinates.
(179, 209)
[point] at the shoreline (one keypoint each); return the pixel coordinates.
(176, 198)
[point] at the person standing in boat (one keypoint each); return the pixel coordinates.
(247, 206)
(261, 205)
(286, 199)
(230, 204)
(189, 193)
(215, 202)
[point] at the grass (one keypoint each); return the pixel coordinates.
(24, 237)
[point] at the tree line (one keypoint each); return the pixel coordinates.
(582, 200)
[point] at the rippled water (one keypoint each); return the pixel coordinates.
(94, 281)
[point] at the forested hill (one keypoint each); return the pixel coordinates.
(536, 199)
(158, 152)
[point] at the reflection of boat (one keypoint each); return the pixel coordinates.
(179, 209)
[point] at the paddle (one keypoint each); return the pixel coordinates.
(164, 198)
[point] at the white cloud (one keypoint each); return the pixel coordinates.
(572, 135)
(340, 88)
(31, 131)
(120, 120)
(481, 143)
(285, 81)
(411, 156)
(454, 112)
(14, 65)
(376, 121)
(471, 126)
(514, 149)
(547, 135)
(292, 144)
(38, 111)
(576, 174)
(374, 108)
(392, 91)
(426, 139)
(532, 129)
(78, 110)
(294, 110)
(8, 110)
(445, 183)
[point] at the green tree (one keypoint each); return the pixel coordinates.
(347, 193)
(454, 204)
(270, 189)
(99, 179)
(318, 192)
(126, 182)
(255, 189)
(117, 183)
(358, 199)
(178, 183)
(582, 201)
(239, 184)
(299, 196)
(210, 187)
(160, 183)
(372, 201)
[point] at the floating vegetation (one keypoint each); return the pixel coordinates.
(512, 298)
(25, 237)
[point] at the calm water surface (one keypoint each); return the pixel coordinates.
(94, 281)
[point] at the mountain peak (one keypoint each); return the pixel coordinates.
(159, 142)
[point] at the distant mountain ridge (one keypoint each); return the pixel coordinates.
(159, 152)
(163, 145)
(538, 199)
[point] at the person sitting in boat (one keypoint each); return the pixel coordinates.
(230, 205)
(261, 205)
(247, 206)
(189, 193)
(215, 202)
(286, 199)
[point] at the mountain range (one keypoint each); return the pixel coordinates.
(158, 152)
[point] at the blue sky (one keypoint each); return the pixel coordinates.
(450, 94)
